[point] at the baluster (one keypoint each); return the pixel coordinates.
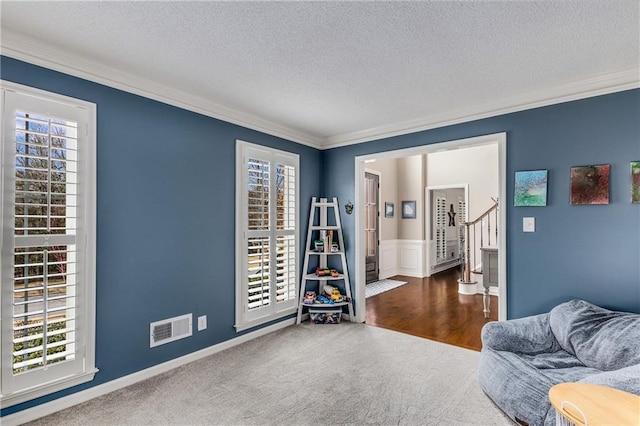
(496, 210)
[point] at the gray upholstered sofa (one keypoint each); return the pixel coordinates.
(575, 342)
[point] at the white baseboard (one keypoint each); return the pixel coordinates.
(45, 409)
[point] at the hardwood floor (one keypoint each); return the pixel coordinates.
(432, 308)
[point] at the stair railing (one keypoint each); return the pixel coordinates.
(485, 233)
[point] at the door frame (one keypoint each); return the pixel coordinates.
(428, 213)
(497, 138)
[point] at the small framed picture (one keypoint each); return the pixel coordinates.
(388, 209)
(530, 188)
(635, 182)
(590, 184)
(409, 209)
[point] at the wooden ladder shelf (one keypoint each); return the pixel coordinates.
(319, 257)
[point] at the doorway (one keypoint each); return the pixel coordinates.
(446, 208)
(372, 225)
(499, 140)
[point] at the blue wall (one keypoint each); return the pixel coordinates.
(166, 211)
(166, 220)
(589, 252)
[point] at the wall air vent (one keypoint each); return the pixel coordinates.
(168, 330)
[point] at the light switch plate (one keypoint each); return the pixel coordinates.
(202, 323)
(528, 224)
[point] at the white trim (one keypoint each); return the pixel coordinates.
(36, 52)
(501, 140)
(46, 389)
(87, 244)
(602, 85)
(502, 217)
(245, 319)
(411, 258)
(388, 250)
(45, 409)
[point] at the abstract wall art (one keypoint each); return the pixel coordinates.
(530, 188)
(388, 209)
(590, 184)
(635, 182)
(409, 209)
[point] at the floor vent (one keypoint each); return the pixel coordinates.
(168, 330)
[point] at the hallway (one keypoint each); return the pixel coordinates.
(433, 309)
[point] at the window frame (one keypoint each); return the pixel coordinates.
(243, 319)
(44, 382)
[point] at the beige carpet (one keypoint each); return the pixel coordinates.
(345, 374)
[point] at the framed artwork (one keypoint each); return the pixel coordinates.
(388, 209)
(590, 184)
(409, 209)
(530, 188)
(635, 182)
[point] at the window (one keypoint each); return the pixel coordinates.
(266, 234)
(48, 243)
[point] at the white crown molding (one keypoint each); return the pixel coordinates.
(35, 52)
(602, 85)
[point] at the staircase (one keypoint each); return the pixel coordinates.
(479, 233)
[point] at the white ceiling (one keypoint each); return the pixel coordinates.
(330, 73)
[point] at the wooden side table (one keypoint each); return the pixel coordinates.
(587, 404)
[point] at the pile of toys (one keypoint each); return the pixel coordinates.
(330, 296)
(325, 272)
(325, 317)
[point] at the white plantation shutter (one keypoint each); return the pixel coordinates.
(47, 275)
(267, 265)
(462, 215)
(441, 227)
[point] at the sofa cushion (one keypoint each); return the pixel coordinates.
(515, 386)
(519, 383)
(626, 379)
(530, 335)
(599, 338)
(553, 360)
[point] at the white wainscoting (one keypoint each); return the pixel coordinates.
(388, 251)
(402, 257)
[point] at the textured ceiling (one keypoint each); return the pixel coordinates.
(332, 69)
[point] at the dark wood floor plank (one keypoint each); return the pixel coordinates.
(433, 309)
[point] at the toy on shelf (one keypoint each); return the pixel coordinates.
(324, 300)
(325, 272)
(309, 298)
(336, 296)
(333, 293)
